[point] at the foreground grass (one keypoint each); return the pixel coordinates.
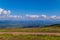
(28, 37)
(44, 29)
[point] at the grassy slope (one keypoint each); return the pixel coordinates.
(28, 37)
(44, 29)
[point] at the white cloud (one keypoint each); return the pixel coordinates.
(44, 16)
(32, 16)
(58, 17)
(14, 16)
(9, 11)
(1, 10)
(53, 17)
(6, 12)
(41, 17)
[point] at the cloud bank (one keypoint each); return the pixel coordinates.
(6, 14)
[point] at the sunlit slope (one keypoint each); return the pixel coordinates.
(28, 37)
(51, 28)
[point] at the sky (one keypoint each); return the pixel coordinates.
(30, 8)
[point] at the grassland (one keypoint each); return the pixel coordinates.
(51, 29)
(28, 37)
(43, 29)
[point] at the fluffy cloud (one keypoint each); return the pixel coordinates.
(44, 16)
(5, 14)
(53, 17)
(1, 10)
(32, 16)
(14, 16)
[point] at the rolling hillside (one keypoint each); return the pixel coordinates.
(51, 28)
(25, 23)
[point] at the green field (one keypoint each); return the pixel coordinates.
(28, 37)
(43, 29)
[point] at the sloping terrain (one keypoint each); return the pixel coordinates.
(51, 28)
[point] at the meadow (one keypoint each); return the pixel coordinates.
(43, 29)
(50, 29)
(28, 37)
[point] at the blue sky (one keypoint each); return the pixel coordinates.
(22, 7)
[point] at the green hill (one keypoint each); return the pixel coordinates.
(50, 28)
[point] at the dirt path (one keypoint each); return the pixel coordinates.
(25, 33)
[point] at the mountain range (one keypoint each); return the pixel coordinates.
(25, 23)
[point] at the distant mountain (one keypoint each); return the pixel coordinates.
(25, 23)
(55, 25)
